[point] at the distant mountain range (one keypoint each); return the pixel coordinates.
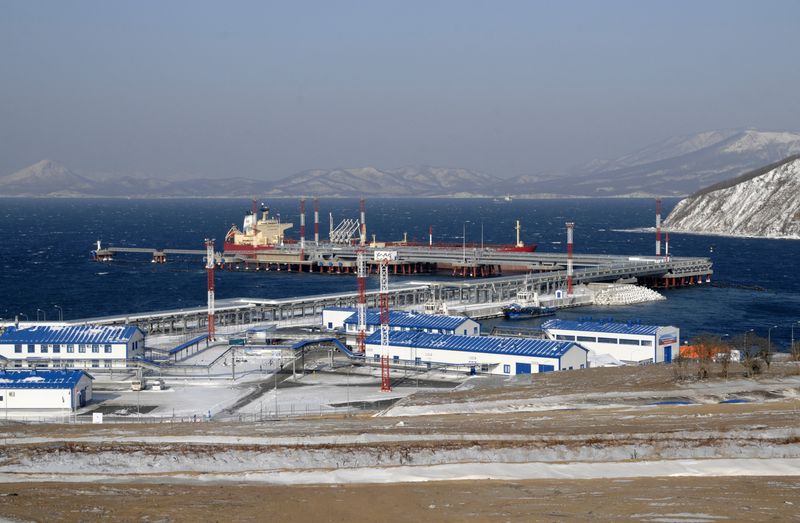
(674, 167)
(761, 203)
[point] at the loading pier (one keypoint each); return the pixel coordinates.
(231, 314)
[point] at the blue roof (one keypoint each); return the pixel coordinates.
(40, 379)
(487, 344)
(413, 320)
(599, 326)
(70, 334)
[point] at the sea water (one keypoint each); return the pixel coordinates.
(46, 244)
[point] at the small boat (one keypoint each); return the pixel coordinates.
(515, 311)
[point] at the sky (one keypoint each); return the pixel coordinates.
(268, 89)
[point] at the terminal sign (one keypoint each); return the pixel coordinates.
(385, 255)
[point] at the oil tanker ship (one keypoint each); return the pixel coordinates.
(262, 244)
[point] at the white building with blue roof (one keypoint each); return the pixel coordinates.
(346, 318)
(473, 354)
(29, 390)
(71, 346)
(630, 343)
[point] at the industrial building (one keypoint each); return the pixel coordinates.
(346, 318)
(485, 354)
(44, 389)
(71, 346)
(630, 343)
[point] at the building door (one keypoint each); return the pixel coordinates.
(523, 368)
(668, 354)
(546, 368)
(82, 398)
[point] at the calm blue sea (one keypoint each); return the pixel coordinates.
(45, 250)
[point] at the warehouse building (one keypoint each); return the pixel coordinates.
(484, 354)
(71, 346)
(630, 343)
(44, 389)
(346, 318)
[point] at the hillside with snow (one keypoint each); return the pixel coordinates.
(762, 203)
(674, 167)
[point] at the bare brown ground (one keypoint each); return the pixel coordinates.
(663, 499)
(652, 499)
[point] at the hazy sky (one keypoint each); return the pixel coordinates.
(264, 90)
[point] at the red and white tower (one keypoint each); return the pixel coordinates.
(570, 227)
(361, 307)
(316, 221)
(302, 226)
(658, 226)
(383, 258)
(363, 222)
(210, 271)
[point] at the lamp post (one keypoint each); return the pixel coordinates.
(769, 343)
(23, 314)
(44, 315)
(60, 312)
(769, 338)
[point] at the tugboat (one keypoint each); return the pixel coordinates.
(515, 311)
(528, 307)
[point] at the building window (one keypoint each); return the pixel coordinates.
(474, 330)
(587, 338)
(31, 348)
(107, 363)
(44, 348)
(607, 340)
(396, 358)
(330, 325)
(95, 363)
(565, 337)
(583, 366)
(108, 349)
(507, 369)
(56, 348)
(82, 348)
(485, 367)
(647, 343)
(377, 357)
(95, 347)
(628, 341)
(18, 348)
(70, 348)
(417, 361)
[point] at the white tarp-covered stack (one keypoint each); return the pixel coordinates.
(624, 294)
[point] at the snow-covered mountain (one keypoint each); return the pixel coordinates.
(405, 181)
(762, 203)
(674, 167)
(45, 178)
(48, 178)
